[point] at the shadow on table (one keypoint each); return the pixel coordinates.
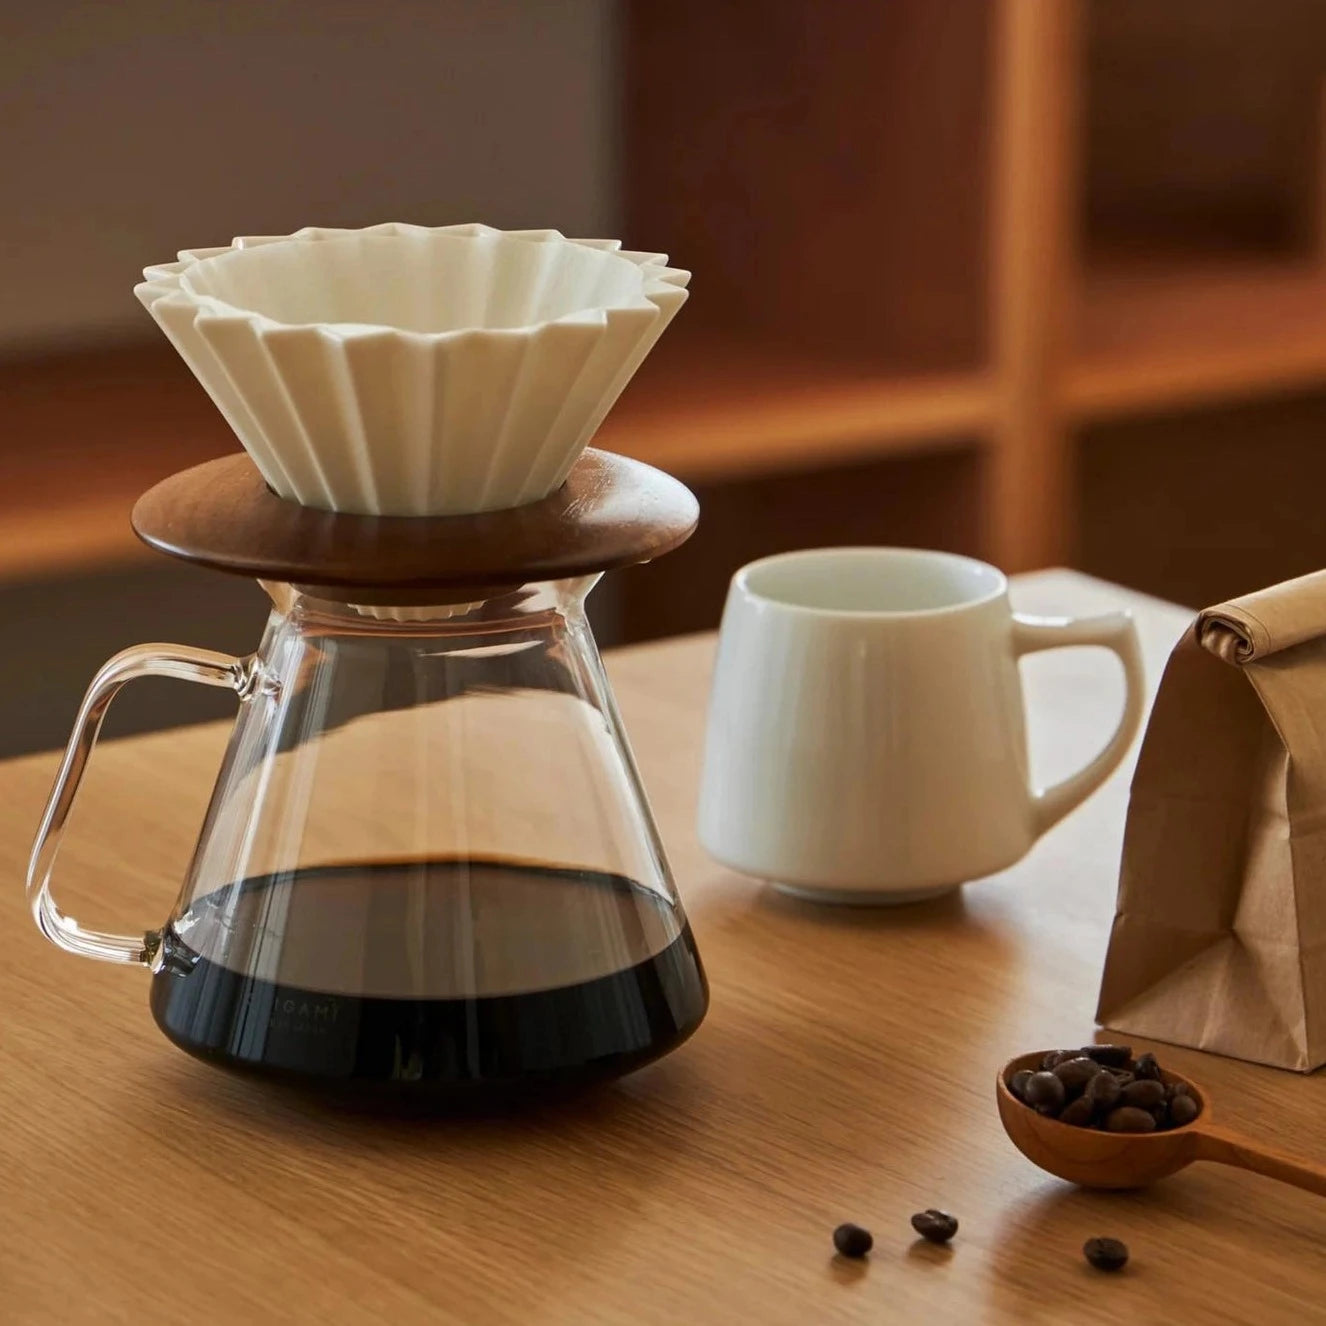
(278, 1110)
(946, 913)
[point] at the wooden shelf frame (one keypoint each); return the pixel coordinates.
(1083, 337)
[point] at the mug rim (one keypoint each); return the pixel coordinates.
(885, 552)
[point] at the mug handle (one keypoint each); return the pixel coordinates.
(1114, 631)
(179, 661)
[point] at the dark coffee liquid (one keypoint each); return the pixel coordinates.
(447, 980)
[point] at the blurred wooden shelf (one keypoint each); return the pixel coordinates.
(85, 534)
(707, 409)
(86, 433)
(936, 202)
(81, 435)
(916, 181)
(1158, 333)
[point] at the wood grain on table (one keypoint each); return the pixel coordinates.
(844, 1073)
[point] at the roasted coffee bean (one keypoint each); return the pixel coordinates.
(1017, 1084)
(1146, 1066)
(1130, 1119)
(1078, 1112)
(1055, 1057)
(1045, 1092)
(1103, 1092)
(1178, 1089)
(1183, 1109)
(1106, 1254)
(1076, 1073)
(852, 1240)
(937, 1226)
(1112, 1056)
(1146, 1093)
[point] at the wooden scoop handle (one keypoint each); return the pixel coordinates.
(1230, 1149)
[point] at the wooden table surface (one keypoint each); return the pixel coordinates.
(844, 1073)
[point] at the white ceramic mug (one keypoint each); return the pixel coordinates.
(866, 737)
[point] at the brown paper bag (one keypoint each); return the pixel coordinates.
(1219, 940)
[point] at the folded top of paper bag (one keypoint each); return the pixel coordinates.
(1265, 622)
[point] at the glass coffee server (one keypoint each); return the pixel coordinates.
(428, 869)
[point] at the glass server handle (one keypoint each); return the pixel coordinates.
(179, 661)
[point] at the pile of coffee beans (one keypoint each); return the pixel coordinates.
(1104, 1087)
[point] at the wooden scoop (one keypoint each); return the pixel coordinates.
(1133, 1160)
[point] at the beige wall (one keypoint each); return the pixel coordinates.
(132, 128)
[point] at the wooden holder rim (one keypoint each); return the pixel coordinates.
(611, 512)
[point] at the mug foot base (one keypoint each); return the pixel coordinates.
(863, 897)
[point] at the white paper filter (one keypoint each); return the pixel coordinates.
(407, 371)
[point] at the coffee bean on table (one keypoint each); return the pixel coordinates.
(1146, 1066)
(1106, 1254)
(1045, 1092)
(1130, 1119)
(1078, 1112)
(1103, 1092)
(1112, 1056)
(1017, 1084)
(853, 1241)
(1146, 1093)
(937, 1226)
(1076, 1073)
(1183, 1109)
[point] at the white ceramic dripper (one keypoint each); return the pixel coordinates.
(407, 371)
